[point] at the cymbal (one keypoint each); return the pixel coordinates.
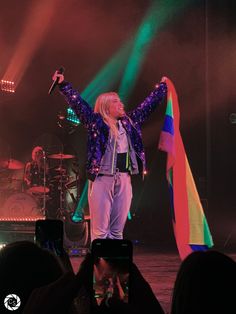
(61, 156)
(38, 189)
(11, 164)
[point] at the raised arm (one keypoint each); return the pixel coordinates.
(142, 112)
(81, 108)
(27, 176)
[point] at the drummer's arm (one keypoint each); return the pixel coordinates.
(27, 177)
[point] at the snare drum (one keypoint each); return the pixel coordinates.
(21, 206)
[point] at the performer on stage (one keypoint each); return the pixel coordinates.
(115, 152)
(36, 180)
(34, 170)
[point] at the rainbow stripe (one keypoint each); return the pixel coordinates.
(189, 222)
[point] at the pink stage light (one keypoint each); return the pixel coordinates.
(34, 30)
(7, 86)
(23, 219)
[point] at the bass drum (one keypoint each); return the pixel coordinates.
(21, 206)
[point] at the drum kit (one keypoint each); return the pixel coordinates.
(46, 189)
(59, 181)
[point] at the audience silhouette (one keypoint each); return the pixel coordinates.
(24, 266)
(205, 284)
(45, 284)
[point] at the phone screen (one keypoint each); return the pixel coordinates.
(112, 259)
(49, 235)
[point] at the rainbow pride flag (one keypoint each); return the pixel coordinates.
(189, 222)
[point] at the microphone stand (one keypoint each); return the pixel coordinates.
(44, 182)
(60, 211)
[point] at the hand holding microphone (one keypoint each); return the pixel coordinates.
(58, 77)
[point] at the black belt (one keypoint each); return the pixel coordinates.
(111, 175)
(121, 163)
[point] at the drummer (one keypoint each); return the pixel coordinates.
(35, 171)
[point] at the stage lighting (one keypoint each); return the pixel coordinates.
(7, 86)
(2, 245)
(72, 117)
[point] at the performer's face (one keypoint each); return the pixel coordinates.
(38, 156)
(116, 108)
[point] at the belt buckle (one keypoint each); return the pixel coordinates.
(117, 171)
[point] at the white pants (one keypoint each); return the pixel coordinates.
(109, 203)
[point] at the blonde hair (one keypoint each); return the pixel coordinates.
(35, 151)
(102, 106)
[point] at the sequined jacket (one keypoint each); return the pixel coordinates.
(98, 130)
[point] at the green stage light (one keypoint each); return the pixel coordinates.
(78, 213)
(72, 117)
(104, 80)
(108, 76)
(157, 16)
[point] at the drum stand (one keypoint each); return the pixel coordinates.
(61, 188)
(44, 183)
(61, 212)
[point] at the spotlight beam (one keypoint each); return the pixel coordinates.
(159, 13)
(35, 28)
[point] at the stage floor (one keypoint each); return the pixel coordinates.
(158, 268)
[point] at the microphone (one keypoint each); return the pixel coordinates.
(55, 82)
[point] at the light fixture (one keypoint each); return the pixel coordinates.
(7, 86)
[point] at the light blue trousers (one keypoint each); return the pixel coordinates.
(109, 203)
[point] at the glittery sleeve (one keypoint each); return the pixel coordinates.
(77, 103)
(142, 112)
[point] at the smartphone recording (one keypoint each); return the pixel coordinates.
(111, 270)
(49, 235)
